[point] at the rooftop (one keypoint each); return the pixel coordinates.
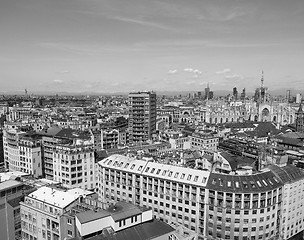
(58, 197)
(9, 184)
(119, 211)
(144, 231)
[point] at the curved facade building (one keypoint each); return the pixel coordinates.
(243, 207)
(265, 205)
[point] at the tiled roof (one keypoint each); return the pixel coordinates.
(288, 173)
(260, 182)
(158, 170)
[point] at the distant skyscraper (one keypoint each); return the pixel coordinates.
(235, 93)
(199, 95)
(243, 94)
(300, 119)
(207, 91)
(142, 116)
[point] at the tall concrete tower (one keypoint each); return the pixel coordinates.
(142, 116)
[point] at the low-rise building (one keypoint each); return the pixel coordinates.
(42, 212)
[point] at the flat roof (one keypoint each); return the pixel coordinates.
(10, 184)
(57, 197)
(90, 215)
(122, 210)
(9, 175)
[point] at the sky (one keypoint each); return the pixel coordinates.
(169, 45)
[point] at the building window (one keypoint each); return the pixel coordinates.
(70, 234)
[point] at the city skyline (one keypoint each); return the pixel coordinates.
(107, 46)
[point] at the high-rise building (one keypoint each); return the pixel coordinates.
(300, 119)
(243, 94)
(235, 93)
(142, 116)
(207, 91)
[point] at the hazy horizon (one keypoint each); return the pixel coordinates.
(111, 46)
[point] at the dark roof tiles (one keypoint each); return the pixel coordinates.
(260, 182)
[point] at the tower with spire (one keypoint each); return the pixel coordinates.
(300, 119)
(261, 92)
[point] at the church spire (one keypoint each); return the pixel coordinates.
(262, 79)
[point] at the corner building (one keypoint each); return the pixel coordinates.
(214, 205)
(243, 207)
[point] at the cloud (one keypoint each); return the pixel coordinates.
(196, 71)
(58, 81)
(188, 69)
(142, 22)
(190, 82)
(172, 71)
(226, 70)
(63, 71)
(234, 77)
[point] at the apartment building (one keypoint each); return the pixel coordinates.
(109, 138)
(214, 205)
(11, 148)
(30, 151)
(175, 194)
(42, 213)
(49, 143)
(11, 193)
(142, 116)
(202, 140)
(22, 151)
(292, 209)
(74, 165)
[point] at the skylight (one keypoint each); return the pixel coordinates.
(133, 165)
(258, 182)
(265, 182)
